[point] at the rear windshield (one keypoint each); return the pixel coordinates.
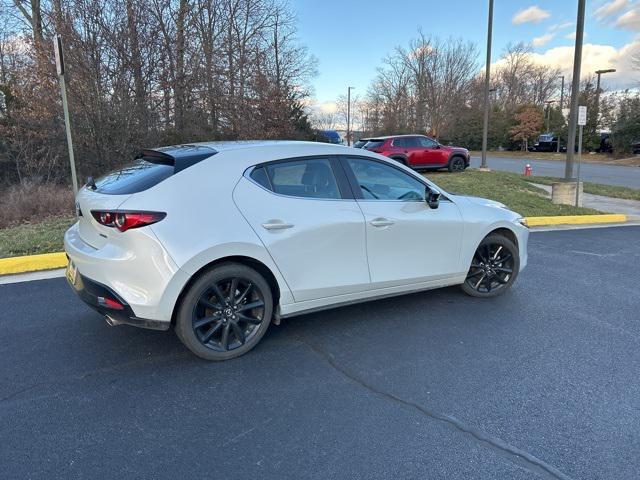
(374, 144)
(137, 177)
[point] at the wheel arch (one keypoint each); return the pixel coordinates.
(505, 232)
(456, 154)
(250, 262)
(399, 157)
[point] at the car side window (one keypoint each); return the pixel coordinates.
(311, 178)
(427, 142)
(411, 142)
(399, 142)
(378, 181)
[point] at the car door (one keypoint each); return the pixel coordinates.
(432, 154)
(306, 217)
(412, 150)
(407, 242)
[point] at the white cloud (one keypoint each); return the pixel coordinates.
(532, 14)
(560, 26)
(594, 57)
(630, 20)
(543, 40)
(611, 8)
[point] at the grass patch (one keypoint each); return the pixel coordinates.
(595, 188)
(509, 188)
(32, 238)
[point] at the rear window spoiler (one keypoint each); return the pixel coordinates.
(179, 157)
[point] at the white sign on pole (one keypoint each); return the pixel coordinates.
(582, 115)
(57, 51)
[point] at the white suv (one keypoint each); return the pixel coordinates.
(221, 239)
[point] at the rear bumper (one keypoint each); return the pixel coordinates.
(134, 266)
(94, 294)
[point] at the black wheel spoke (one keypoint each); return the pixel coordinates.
(503, 269)
(224, 341)
(208, 304)
(216, 291)
(238, 332)
(252, 321)
(471, 275)
(251, 306)
(244, 294)
(506, 258)
(232, 290)
(206, 320)
(207, 336)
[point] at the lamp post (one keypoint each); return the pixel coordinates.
(599, 73)
(549, 102)
(561, 105)
(349, 115)
(487, 78)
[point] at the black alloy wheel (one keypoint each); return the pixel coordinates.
(456, 165)
(228, 314)
(225, 313)
(494, 267)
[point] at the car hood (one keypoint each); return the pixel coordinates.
(485, 202)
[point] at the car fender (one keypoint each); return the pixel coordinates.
(475, 233)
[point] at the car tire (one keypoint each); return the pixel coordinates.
(456, 165)
(237, 320)
(494, 267)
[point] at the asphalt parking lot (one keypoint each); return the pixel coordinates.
(539, 383)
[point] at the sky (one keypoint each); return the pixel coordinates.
(351, 37)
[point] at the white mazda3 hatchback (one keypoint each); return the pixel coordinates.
(222, 239)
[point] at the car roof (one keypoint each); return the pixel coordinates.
(230, 145)
(386, 137)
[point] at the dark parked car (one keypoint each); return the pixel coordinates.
(635, 147)
(546, 142)
(360, 143)
(328, 136)
(420, 152)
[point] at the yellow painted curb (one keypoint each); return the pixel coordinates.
(31, 263)
(576, 219)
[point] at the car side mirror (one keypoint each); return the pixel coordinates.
(433, 198)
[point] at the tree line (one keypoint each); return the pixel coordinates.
(145, 73)
(436, 87)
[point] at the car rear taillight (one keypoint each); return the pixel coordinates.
(125, 220)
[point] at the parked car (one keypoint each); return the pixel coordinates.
(329, 136)
(635, 147)
(420, 152)
(360, 143)
(546, 142)
(220, 240)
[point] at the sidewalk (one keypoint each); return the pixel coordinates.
(604, 204)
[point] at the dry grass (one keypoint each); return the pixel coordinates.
(32, 202)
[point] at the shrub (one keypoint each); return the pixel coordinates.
(33, 202)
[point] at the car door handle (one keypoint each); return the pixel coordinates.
(276, 225)
(381, 222)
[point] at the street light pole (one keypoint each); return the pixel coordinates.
(575, 91)
(487, 79)
(561, 105)
(349, 116)
(600, 72)
(549, 102)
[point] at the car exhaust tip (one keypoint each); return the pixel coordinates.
(112, 322)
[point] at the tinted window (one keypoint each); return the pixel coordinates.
(411, 142)
(260, 176)
(138, 176)
(374, 144)
(427, 142)
(303, 178)
(383, 182)
(399, 142)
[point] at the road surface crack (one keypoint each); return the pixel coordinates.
(514, 454)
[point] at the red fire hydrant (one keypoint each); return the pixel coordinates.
(527, 170)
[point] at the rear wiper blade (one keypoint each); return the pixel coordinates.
(91, 183)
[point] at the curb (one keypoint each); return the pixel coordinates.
(32, 263)
(49, 261)
(576, 219)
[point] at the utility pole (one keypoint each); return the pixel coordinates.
(487, 79)
(575, 91)
(349, 116)
(57, 46)
(561, 106)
